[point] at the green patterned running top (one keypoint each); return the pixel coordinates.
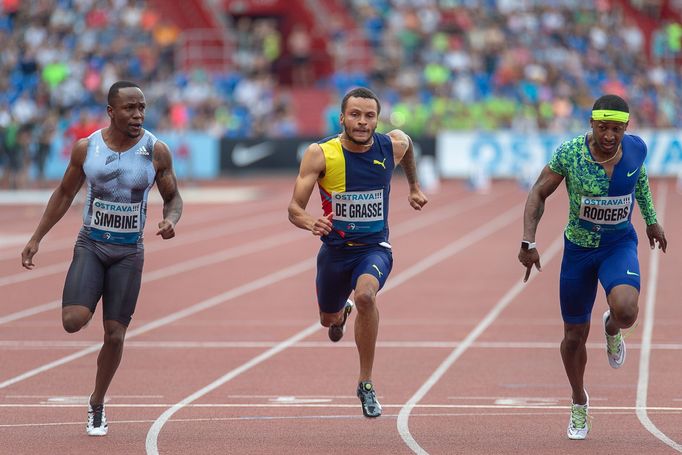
(600, 209)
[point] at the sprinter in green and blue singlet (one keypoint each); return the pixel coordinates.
(605, 174)
(353, 172)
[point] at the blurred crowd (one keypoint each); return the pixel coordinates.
(436, 64)
(58, 60)
(522, 64)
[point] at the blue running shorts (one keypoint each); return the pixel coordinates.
(581, 268)
(338, 270)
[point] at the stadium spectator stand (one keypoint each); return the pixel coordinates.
(227, 67)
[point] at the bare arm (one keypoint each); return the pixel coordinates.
(312, 167)
(546, 184)
(168, 188)
(403, 154)
(654, 231)
(59, 202)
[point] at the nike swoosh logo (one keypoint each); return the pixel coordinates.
(631, 273)
(243, 155)
(631, 173)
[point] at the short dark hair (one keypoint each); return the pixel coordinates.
(612, 103)
(115, 87)
(360, 92)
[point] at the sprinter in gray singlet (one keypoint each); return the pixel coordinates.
(120, 164)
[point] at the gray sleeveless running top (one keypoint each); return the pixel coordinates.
(117, 187)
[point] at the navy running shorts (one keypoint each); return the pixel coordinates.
(338, 270)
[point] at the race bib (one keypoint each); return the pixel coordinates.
(605, 213)
(358, 211)
(115, 222)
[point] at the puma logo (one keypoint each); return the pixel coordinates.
(381, 163)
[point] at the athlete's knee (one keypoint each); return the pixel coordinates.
(625, 315)
(623, 305)
(327, 319)
(114, 334)
(75, 318)
(365, 299)
(71, 324)
(575, 337)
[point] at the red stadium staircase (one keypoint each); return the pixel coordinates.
(205, 41)
(649, 24)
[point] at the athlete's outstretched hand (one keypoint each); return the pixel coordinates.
(30, 250)
(323, 225)
(166, 229)
(529, 258)
(655, 233)
(417, 199)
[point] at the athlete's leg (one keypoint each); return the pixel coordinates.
(109, 359)
(366, 323)
(574, 357)
(619, 275)
(333, 285)
(75, 317)
(623, 307)
(327, 319)
(121, 288)
(369, 277)
(83, 286)
(577, 293)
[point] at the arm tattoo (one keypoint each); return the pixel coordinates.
(408, 163)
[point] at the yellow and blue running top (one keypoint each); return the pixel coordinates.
(356, 188)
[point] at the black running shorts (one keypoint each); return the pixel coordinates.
(107, 271)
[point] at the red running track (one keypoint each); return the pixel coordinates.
(225, 355)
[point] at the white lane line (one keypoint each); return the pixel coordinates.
(385, 344)
(151, 443)
(180, 267)
(647, 331)
(81, 398)
(28, 312)
(404, 415)
(449, 250)
(195, 236)
(231, 253)
(12, 240)
(203, 218)
(260, 283)
(317, 418)
(354, 405)
(47, 245)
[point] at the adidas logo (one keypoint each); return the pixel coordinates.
(142, 151)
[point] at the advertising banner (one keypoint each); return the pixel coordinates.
(239, 155)
(517, 155)
(195, 155)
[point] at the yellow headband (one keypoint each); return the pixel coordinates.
(610, 116)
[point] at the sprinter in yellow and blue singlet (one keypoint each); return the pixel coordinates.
(353, 172)
(355, 189)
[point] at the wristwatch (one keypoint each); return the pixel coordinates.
(526, 245)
